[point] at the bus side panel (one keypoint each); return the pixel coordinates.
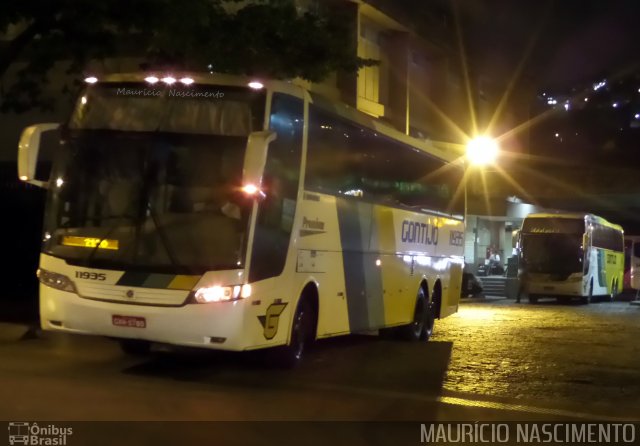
(318, 254)
(451, 247)
(435, 246)
(614, 269)
(362, 276)
(632, 262)
(399, 292)
(451, 294)
(634, 266)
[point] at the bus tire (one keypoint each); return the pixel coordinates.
(429, 322)
(533, 299)
(290, 355)
(417, 329)
(135, 347)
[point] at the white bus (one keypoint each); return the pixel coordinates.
(567, 255)
(632, 264)
(215, 212)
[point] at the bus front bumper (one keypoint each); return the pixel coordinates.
(546, 288)
(215, 326)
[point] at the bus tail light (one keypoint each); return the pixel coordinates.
(219, 293)
(55, 280)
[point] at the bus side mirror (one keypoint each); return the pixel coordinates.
(255, 159)
(28, 149)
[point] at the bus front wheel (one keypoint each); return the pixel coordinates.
(290, 355)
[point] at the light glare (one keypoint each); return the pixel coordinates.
(482, 150)
(91, 80)
(169, 80)
(217, 293)
(151, 79)
(250, 189)
(256, 85)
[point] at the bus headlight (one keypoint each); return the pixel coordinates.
(55, 280)
(218, 293)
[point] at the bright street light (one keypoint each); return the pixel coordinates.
(482, 151)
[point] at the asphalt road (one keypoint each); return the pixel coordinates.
(495, 360)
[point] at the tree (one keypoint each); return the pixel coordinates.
(262, 37)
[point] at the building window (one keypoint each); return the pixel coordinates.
(370, 78)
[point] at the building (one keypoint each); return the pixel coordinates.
(418, 86)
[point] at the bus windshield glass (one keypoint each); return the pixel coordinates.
(147, 178)
(552, 253)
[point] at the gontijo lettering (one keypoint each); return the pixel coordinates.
(417, 232)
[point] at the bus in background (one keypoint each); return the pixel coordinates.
(219, 212)
(632, 264)
(566, 255)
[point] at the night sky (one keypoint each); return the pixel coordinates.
(573, 40)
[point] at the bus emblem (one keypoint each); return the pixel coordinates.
(271, 319)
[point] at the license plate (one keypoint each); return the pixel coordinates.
(129, 321)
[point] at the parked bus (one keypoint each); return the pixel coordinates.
(215, 212)
(571, 255)
(632, 264)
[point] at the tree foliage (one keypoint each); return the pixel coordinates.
(271, 38)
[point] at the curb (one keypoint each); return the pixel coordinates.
(10, 332)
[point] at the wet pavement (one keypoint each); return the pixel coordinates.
(547, 353)
(493, 360)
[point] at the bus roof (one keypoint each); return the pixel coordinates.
(299, 88)
(591, 218)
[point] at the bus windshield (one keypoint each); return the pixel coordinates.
(147, 179)
(552, 253)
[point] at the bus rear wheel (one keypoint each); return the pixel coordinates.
(421, 328)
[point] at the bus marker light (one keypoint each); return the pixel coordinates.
(151, 79)
(250, 189)
(91, 80)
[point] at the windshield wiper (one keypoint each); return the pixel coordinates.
(89, 258)
(163, 236)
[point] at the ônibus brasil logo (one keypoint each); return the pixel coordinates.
(24, 433)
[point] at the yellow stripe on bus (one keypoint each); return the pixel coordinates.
(183, 282)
